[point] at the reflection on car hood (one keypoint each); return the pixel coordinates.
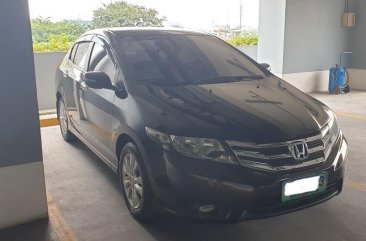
(260, 111)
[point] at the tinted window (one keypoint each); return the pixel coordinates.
(99, 61)
(183, 58)
(81, 54)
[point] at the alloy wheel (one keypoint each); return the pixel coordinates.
(132, 180)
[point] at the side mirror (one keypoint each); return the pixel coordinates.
(97, 80)
(266, 66)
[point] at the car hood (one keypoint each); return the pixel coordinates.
(260, 111)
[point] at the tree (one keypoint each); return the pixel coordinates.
(43, 29)
(123, 14)
(42, 20)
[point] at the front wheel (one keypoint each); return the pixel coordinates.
(135, 184)
(64, 122)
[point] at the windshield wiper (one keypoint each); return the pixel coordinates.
(228, 79)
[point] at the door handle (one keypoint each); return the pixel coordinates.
(83, 86)
(66, 74)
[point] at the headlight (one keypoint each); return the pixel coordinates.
(158, 137)
(204, 148)
(333, 129)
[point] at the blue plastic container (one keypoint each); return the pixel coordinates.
(337, 79)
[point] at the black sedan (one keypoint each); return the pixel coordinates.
(195, 127)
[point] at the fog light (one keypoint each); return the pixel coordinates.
(206, 208)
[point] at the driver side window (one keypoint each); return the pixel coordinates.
(100, 61)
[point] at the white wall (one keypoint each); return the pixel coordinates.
(251, 51)
(45, 67)
(318, 81)
(308, 82)
(358, 79)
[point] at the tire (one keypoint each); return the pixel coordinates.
(64, 122)
(135, 184)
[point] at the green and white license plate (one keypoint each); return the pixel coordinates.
(307, 186)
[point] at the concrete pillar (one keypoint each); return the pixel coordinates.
(271, 33)
(358, 71)
(22, 185)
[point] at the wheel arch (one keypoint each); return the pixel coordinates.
(122, 140)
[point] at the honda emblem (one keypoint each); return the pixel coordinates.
(299, 150)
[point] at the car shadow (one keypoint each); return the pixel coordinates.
(98, 164)
(317, 223)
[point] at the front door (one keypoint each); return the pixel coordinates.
(97, 104)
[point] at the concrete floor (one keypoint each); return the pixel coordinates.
(88, 195)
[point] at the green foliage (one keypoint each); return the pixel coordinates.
(57, 36)
(56, 43)
(249, 39)
(123, 14)
(43, 29)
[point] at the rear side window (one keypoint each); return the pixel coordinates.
(100, 61)
(80, 58)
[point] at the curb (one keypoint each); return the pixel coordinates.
(48, 120)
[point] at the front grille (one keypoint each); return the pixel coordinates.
(277, 156)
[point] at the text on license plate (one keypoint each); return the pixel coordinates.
(304, 185)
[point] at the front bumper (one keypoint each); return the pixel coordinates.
(182, 185)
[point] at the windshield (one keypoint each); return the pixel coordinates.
(181, 58)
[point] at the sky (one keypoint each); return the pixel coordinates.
(196, 14)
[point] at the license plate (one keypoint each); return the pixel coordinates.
(303, 187)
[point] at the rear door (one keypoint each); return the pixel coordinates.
(72, 79)
(97, 104)
(68, 83)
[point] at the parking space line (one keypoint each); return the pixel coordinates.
(58, 222)
(355, 185)
(352, 116)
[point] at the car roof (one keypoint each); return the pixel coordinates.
(116, 30)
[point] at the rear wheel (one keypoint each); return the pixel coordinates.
(135, 184)
(64, 122)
